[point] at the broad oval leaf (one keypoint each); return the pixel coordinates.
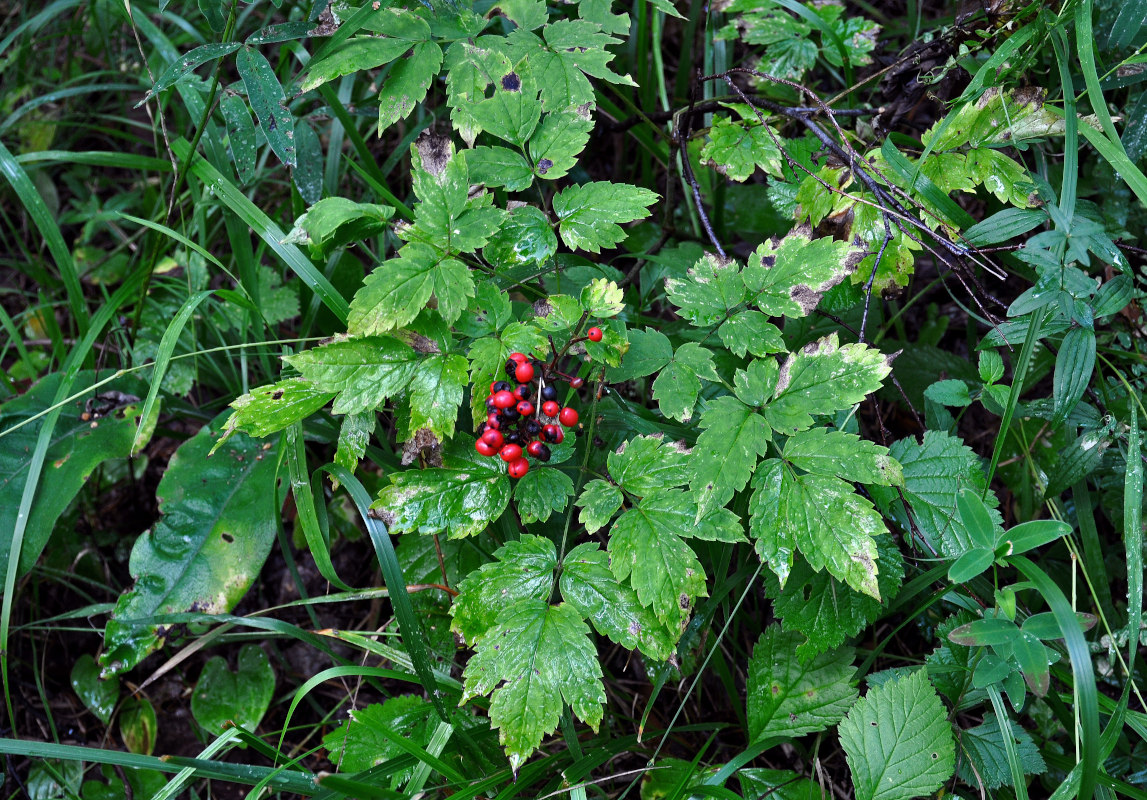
(218, 524)
(971, 564)
(242, 697)
(985, 632)
(1035, 533)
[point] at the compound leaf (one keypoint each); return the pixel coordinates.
(984, 750)
(599, 501)
(364, 372)
(737, 149)
(678, 384)
(726, 452)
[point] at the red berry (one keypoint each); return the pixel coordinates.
(539, 451)
(493, 438)
(525, 372)
(594, 334)
(519, 357)
(504, 399)
(485, 449)
(510, 452)
(552, 433)
(568, 417)
(551, 408)
(523, 391)
(519, 468)
(492, 420)
(577, 383)
(525, 408)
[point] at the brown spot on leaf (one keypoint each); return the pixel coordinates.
(511, 82)
(804, 297)
(544, 165)
(277, 394)
(434, 150)
(425, 444)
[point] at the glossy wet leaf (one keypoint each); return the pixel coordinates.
(218, 524)
(521, 570)
(558, 141)
(541, 492)
(362, 372)
(359, 53)
(737, 149)
(272, 408)
(336, 221)
(524, 238)
(240, 135)
(791, 696)
(708, 292)
(78, 446)
(188, 62)
(269, 102)
(138, 726)
(589, 214)
(362, 741)
(459, 498)
(645, 464)
(98, 696)
(845, 455)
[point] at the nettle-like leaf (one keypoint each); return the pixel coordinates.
(336, 221)
(358, 53)
(558, 141)
(997, 117)
(602, 298)
(561, 59)
(589, 214)
(447, 216)
(435, 393)
(789, 696)
(822, 378)
(588, 584)
(354, 435)
(471, 67)
(399, 288)
(737, 149)
(521, 570)
(822, 517)
(734, 437)
(789, 277)
(367, 738)
(648, 463)
(513, 111)
(710, 290)
(985, 757)
(897, 740)
(406, 84)
(825, 452)
(751, 332)
(647, 546)
(460, 498)
(934, 473)
(525, 238)
(535, 658)
(826, 610)
(363, 372)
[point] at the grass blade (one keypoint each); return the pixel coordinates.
(1133, 537)
(266, 229)
(44, 222)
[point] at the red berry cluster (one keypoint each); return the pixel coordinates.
(513, 423)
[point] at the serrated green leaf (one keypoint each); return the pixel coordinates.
(364, 372)
(789, 696)
(601, 13)
(952, 393)
(268, 409)
(845, 455)
(459, 498)
(354, 435)
(218, 524)
(777, 784)
(499, 166)
(524, 238)
(446, 216)
(406, 84)
(541, 492)
(822, 378)
(536, 657)
(558, 312)
(602, 298)
(737, 149)
(395, 292)
(527, 14)
(991, 366)
(826, 610)
(897, 741)
(649, 351)
(269, 102)
(558, 142)
(513, 111)
(789, 278)
(359, 53)
(646, 546)
(436, 392)
(710, 290)
(934, 473)
(726, 452)
(755, 384)
(833, 527)
(599, 501)
(521, 570)
(588, 584)
(678, 384)
(751, 332)
(645, 464)
(985, 759)
(589, 214)
(469, 73)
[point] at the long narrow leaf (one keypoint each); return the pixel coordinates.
(1133, 536)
